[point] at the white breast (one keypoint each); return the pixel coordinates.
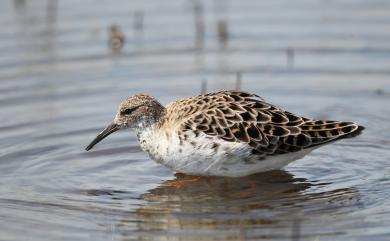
(205, 155)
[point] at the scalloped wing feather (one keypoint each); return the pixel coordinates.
(236, 116)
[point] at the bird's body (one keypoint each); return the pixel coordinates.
(228, 133)
(207, 156)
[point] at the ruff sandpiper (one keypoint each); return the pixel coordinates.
(228, 133)
(116, 38)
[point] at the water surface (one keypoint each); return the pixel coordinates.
(60, 85)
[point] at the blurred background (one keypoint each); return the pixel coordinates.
(66, 65)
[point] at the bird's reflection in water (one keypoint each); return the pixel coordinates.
(219, 194)
(266, 205)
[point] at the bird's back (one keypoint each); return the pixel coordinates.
(241, 117)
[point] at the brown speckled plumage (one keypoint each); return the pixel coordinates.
(243, 117)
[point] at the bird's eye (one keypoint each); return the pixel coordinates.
(128, 111)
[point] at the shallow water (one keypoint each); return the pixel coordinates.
(60, 85)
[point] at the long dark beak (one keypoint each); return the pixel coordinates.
(109, 129)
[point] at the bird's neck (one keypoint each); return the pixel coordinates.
(148, 139)
(148, 129)
(153, 119)
(144, 133)
(150, 125)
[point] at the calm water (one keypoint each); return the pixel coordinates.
(60, 85)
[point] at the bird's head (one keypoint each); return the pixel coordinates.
(136, 112)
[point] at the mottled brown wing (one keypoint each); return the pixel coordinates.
(243, 117)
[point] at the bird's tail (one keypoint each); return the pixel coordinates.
(321, 131)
